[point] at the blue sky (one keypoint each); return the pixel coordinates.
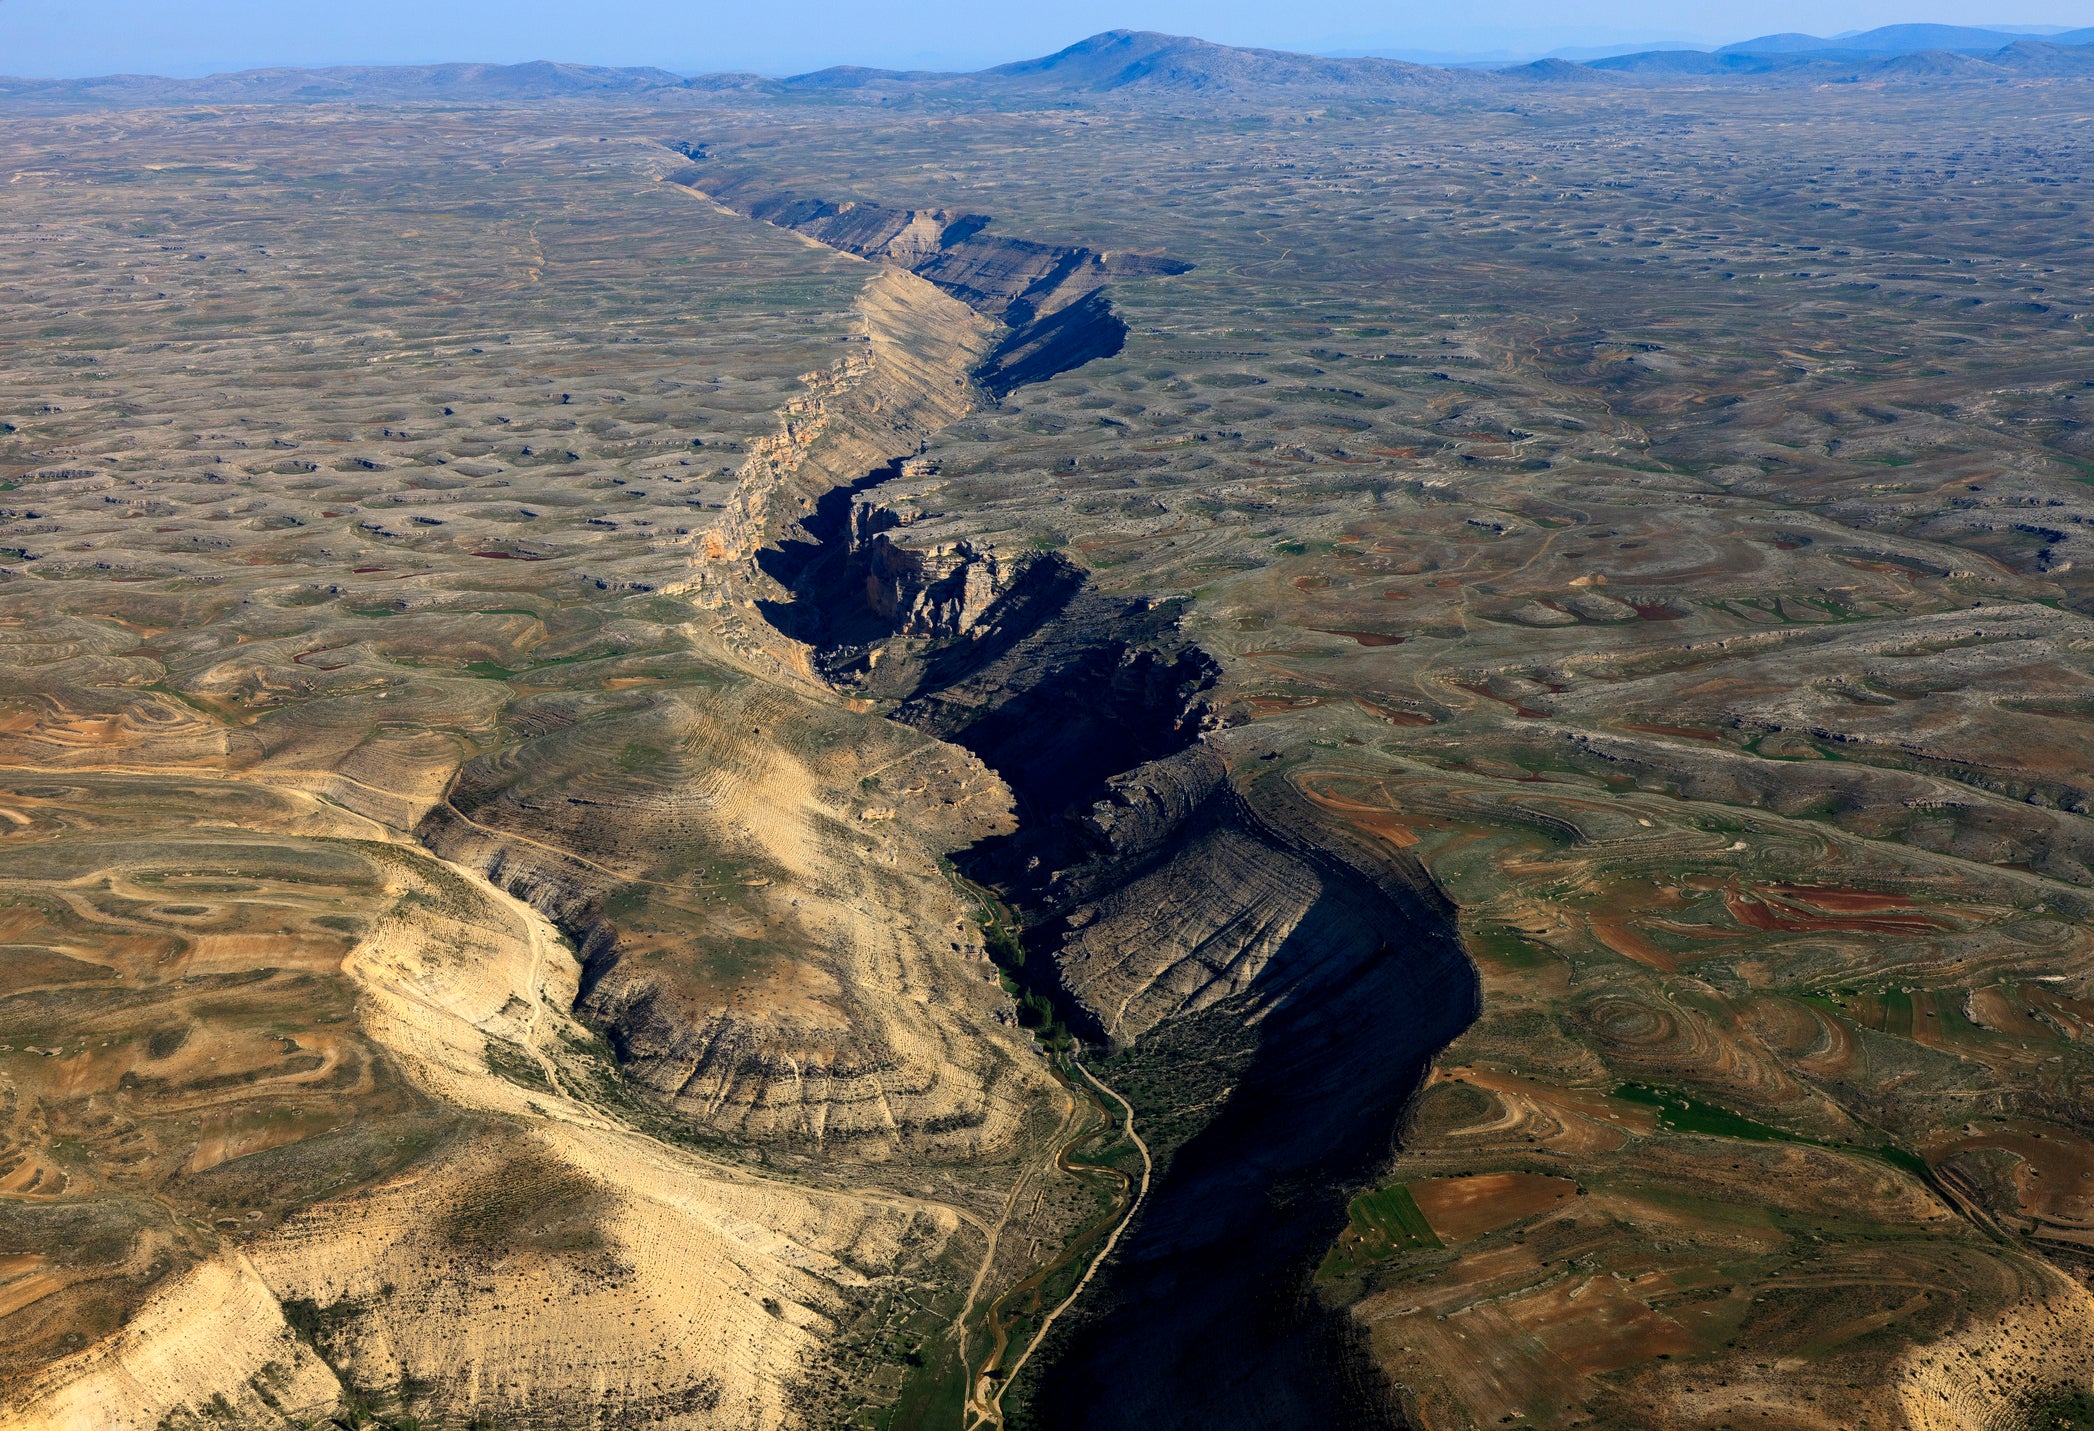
(183, 37)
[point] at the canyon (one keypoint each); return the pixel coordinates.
(1179, 738)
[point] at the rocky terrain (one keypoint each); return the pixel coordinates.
(436, 897)
(1015, 759)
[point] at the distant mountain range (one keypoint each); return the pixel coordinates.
(1912, 52)
(1140, 61)
(1919, 52)
(1905, 40)
(1129, 65)
(371, 83)
(1126, 62)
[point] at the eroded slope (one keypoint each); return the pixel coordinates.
(387, 733)
(1608, 524)
(1668, 540)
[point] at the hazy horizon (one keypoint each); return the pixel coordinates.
(76, 38)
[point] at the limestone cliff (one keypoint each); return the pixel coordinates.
(1049, 297)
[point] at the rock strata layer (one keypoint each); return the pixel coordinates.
(1049, 296)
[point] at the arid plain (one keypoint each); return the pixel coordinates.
(660, 762)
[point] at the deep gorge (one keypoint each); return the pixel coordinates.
(1091, 707)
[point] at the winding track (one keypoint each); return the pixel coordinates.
(984, 1405)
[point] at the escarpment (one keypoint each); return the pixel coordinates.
(1162, 888)
(867, 411)
(346, 1128)
(1270, 991)
(1060, 341)
(757, 950)
(842, 650)
(1187, 897)
(1050, 297)
(1280, 992)
(1185, 909)
(750, 873)
(1189, 910)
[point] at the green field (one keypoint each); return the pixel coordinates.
(1689, 1115)
(1381, 1224)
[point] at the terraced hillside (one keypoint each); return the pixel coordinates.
(374, 567)
(662, 767)
(1667, 540)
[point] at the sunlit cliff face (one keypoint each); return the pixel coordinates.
(663, 763)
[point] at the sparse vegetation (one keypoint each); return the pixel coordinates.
(1606, 526)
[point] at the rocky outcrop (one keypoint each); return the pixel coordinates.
(944, 591)
(1203, 925)
(213, 1345)
(756, 949)
(1049, 295)
(1186, 896)
(1180, 912)
(1178, 906)
(1191, 915)
(1094, 688)
(1316, 977)
(1068, 338)
(865, 412)
(759, 939)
